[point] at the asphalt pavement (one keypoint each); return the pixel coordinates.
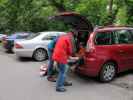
(20, 80)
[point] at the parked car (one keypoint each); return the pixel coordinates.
(2, 36)
(109, 49)
(35, 46)
(8, 42)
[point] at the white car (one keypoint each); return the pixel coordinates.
(35, 45)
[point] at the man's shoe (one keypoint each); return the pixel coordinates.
(60, 89)
(67, 83)
(51, 79)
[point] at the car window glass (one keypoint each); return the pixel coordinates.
(33, 35)
(124, 37)
(21, 36)
(103, 38)
(131, 36)
(50, 36)
(18, 37)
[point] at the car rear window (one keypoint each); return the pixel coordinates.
(124, 36)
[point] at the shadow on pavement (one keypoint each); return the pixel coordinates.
(124, 80)
(122, 74)
(9, 52)
(121, 80)
(25, 59)
(84, 79)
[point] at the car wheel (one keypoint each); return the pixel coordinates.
(107, 72)
(40, 55)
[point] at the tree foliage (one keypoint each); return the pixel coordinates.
(32, 15)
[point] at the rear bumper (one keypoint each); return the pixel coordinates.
(91, 67)
(86, 71)
(23, 52)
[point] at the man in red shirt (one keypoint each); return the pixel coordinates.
(64, 48)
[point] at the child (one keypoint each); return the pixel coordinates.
(49, 69)
(74, 63)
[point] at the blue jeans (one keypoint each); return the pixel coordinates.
(62, 75)
(50, 64)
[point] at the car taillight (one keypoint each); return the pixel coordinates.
(18, 46)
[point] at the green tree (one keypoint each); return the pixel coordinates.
(32, 15)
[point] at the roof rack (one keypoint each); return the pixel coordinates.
(99, 27)
(118, 26)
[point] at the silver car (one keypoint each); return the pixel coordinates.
(35, 45)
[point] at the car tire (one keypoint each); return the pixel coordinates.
(108, 72)
(40, 54)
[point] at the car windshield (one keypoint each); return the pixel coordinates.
(31, 36)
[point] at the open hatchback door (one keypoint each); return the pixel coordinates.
(77, 21)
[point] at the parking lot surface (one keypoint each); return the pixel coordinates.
(20, 80)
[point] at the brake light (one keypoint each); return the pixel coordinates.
(18, 46)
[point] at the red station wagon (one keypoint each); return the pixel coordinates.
(109, 50)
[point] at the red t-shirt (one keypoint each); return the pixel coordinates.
(63, 49)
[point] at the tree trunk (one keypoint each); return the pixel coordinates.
(110, 7)
(110, 13)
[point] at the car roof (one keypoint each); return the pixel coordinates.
(50, 32)
(42, 34)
